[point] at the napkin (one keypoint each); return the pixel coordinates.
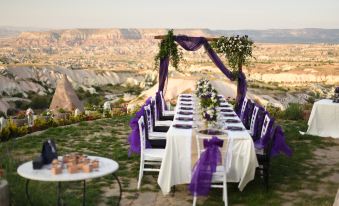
(184, 118)
(230, 115)
(226, 110)
(232, 121)
(224, 105)
(234, 128)
(185, 113)
(183, 126)
(186, 104)
(186, 108)
(185, 100)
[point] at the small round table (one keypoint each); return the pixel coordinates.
(106, 167)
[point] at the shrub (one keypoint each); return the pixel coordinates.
(12, 111)
(2, 114)
(40, 102)
(21, 104)
(294, 111)
(275, 112)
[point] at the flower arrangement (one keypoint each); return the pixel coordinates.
(168, 48)
(209, 100)
(210, 114)
(237, 50)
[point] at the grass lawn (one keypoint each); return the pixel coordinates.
(309, 177)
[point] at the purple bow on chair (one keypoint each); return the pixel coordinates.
(205, 167)
(134, 137)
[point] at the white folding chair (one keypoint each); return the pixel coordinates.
(219, 178)
(164, 111)
(253, 118)
(243, 108)
(148, 156)
(151, 134)
(166, 123)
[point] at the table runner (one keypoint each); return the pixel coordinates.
(181, 155)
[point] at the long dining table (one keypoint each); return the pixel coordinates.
(181, 153)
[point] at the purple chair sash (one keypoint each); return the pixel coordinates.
(134, 137)
(279, 144)
(205, 167)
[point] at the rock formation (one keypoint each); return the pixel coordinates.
(65, 97)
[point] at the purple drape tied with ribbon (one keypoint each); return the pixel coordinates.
(134, 137)
(205, 167)
(279, 144)
(193, 44)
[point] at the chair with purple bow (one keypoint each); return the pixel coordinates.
(263, 147)
(256, 121)
(156, 139)
(246, 116)
(148, 156)
(159, 125)
(211, 169)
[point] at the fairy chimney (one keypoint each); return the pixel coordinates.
(65, 97)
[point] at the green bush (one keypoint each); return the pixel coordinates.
(275, 112)
(294, 111)
(40, 102)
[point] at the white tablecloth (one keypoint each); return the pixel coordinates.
(324, 119)
(176, 167)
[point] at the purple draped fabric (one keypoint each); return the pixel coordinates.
(134, 137)
(205, 167)
(163, 73)
(158, 104)
(279, 144)
(193, 44)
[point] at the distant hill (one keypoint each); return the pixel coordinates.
(287, 35)
(10, 31)
(310, 35)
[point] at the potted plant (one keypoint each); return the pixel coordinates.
(62, 114)
(20, 119)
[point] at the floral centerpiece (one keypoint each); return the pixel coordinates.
(210, 114)
(209, 100)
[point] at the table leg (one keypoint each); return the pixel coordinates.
(84, 194)
(58, 194)
(120, 195)
(27, 193)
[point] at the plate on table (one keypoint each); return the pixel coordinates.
(185, 119)
(186, 96)
(226, 110)
(185, 113)
(229, 115)
(232, 121)
(234, 128)
(185, 100)
(185, 104)
(183, 126)
(186, 108)
(212, 132)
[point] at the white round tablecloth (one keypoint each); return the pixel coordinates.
(324, 119)
(106, 167)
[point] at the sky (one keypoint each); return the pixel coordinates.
(212, 14)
